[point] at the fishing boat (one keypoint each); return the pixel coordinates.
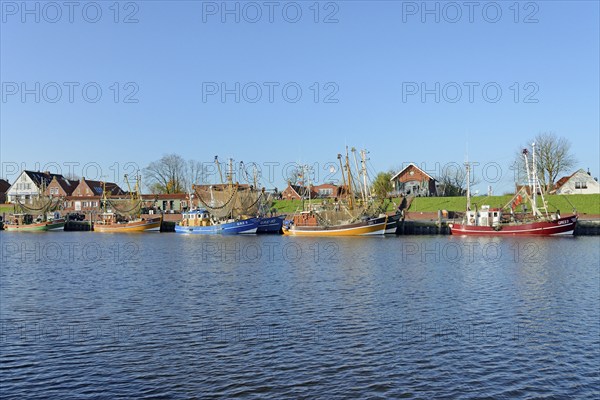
(27, 223)
(200, 221)
(41, 214)
(354, 215)
(271, 224)
(306, 224)
(490, 221)
(126, 216)
(110, 222)
(225, 208)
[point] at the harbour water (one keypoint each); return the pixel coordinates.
(85, 315)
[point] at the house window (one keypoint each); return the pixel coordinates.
(580, 185)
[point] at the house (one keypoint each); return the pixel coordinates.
(173, 203)
(294, 192)
(87, 195)
(4, 186)
(580, 182)
(413, 181)
(82, 203)
(86, 188)
(30, 185)
(322, 191)
(297, 192)
(325, 191)
(60, 187)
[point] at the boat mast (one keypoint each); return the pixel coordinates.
(534, 183)
(104, 196)
(339, 156)
(363, 156)
(219, 168)
(468, 168)
(362, 192)
(230, 173)
(350, 192)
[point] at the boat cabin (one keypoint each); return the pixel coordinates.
(305, 218)
(22, 219)
(200, 217)
(485, 217)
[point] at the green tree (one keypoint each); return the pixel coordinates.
(382, 186)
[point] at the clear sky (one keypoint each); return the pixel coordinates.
(409, 81)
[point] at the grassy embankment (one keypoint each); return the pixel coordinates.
(6, 208)
(584, 203)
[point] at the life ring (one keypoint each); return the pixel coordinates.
(472, 220)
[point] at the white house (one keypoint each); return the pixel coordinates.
(29, 185)
(580, 182)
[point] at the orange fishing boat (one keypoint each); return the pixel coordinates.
(127, 218)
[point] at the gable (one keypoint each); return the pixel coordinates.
(410, 173)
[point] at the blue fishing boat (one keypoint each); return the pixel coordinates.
(271, 224)
(199, 221)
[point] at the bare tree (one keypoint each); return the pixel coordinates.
(453, 180)
(553, 157)
(166, 175)
(193, 174)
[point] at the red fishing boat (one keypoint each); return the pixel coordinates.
(495, 222)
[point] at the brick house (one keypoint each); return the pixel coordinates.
(60, 187)
(82, 203)
(4, 186)
(413, 181)
(87, 195)
(87, 188)
(325, 191)
(294, 192)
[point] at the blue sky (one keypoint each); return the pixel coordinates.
(369, 60)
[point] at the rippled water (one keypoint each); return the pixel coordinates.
(85, 315)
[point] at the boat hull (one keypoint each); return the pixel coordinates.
(270, 225)
(145, 225)
(39, 227)
(55, 225)
(246, 226)
(562, 226)
(374, 226)
(392, 224)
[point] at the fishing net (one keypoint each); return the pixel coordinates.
(41, 206)
(127, 207)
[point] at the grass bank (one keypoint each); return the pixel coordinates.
(584, 203)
